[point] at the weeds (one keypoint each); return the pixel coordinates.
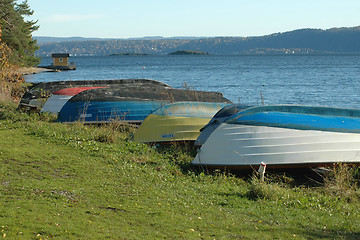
(190, 92)
(167, 97)
(261, 190)
(109, 133)
(343, 181)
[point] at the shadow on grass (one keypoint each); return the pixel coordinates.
(309, 233)
(307, 177)
(179, 153)
(182, 153)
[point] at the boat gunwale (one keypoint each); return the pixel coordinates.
(300, 109)
(297, 110)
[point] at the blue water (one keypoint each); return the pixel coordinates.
(330, 80)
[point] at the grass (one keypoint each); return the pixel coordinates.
(61, 181)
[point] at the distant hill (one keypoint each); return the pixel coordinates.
(302, 41)
(42, 40)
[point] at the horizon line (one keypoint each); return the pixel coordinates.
(215, 36)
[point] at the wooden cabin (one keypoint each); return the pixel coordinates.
(60, 59)
(60, 62)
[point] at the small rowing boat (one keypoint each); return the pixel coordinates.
(58, 99)
(130, 104)
(284, 136)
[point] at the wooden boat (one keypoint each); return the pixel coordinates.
(218, 119)
(130, 104)
(38, 94)
(180, 121)
(58, 99)
(284, 136)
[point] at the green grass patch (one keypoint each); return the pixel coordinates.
(61, 181)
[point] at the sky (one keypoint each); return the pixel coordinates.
(197, 18)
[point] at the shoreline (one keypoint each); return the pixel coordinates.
(32, 70)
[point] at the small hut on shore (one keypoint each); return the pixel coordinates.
(60, 61)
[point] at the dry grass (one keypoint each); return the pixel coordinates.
(343, 181)
(5, 96)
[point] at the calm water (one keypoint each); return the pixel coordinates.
(332, 80)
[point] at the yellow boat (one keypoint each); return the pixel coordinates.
(175, 122)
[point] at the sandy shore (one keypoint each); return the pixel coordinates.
(32, 70)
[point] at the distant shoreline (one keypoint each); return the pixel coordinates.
(301, 41)
(32, 70)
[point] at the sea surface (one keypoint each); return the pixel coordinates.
(325, 80)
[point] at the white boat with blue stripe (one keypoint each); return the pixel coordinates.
(284, 136)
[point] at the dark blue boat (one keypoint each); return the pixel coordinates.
(130, 104)
(98, 112)
(40, 92)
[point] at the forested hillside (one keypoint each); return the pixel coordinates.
(303, 41)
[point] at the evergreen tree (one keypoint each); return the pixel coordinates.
(17, 32)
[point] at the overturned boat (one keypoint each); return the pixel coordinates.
(284, 136)
(176, 122)
(39, 93)
(130, 104)
(58, 99)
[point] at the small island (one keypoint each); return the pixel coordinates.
(186, 52)
(128, 54)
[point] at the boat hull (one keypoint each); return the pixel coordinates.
(284, 135)
(101, 112)
(59, 98)
(169, 129)
(244, 146)
(131, 103)
(234, 145)
(55, 103)
(218, 118)
(40, 92)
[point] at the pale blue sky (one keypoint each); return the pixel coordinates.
(168, 18)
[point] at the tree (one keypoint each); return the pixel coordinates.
(17, 32)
